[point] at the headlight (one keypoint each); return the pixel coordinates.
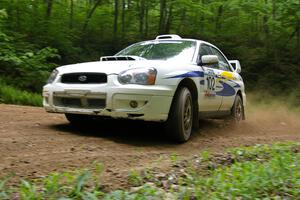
(52, 76)
(141, 76)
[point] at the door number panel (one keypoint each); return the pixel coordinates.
(211, 84)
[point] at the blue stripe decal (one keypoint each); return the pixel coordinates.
(236, 85)
(189, 74)
(226, 91)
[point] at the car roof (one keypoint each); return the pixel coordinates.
(173, 37)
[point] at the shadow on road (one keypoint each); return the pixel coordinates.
(132, 132)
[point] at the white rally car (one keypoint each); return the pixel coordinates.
(170, 79)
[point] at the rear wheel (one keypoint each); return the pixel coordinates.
(237, 110)
(180, 122)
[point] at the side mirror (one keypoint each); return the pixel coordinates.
(236, 65)
(209, 60)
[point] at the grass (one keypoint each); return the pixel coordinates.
(134, 178)
(263, 99)
(11, 95)
(256, 172)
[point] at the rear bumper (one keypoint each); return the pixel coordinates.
(151, 103)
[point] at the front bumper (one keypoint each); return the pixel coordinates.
(112, 99)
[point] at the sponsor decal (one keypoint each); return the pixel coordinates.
(209, 93)
(228, 75)
(226, 91)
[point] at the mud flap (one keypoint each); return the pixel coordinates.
(244, 115)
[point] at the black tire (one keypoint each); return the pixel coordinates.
(180, 121)
(237, 110)
(78, 119)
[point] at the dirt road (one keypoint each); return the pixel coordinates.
(34, 143)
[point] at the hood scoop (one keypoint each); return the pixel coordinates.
(121, 58)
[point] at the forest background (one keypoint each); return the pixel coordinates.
(38, 35)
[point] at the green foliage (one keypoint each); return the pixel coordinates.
(52, 185)
(272, 174)
(11, 95)
(23, 65)
(174, 157)
(134, 178)
(28, 191)
(205, 155)
(70, 185)
(263, 35)
(80, 183)
(258, 172)
(4, 191)
(145, 192)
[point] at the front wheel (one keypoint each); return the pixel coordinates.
(237, 110)
(180, 122)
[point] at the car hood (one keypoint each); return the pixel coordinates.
(108, 67)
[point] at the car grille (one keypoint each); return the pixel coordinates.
(84, 78)
(85, 103)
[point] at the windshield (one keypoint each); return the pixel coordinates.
(162, 50)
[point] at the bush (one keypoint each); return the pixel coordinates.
(24, 65)
(11, 95)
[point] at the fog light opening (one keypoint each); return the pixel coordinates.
(46, 94)
(133, 104)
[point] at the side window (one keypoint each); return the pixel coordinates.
(206, 50)
(223, 64)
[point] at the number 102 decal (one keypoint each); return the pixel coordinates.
(211, 83)
(211, 80)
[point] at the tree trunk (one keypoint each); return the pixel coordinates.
(298, 33)
(116, 15)
(265, 23)
(161, 29)
(219, 16)
(146, 19)
(35, 20)
(169, 19)
(274, 9)
(182, 20)
(89, 16)
(71, 13)
(123, 18)
(49, 8)
(128, 4)
(142, 15)
(18, 18)
(202, 20)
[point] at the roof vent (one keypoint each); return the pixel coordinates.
(120, 58)
(168, 37)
